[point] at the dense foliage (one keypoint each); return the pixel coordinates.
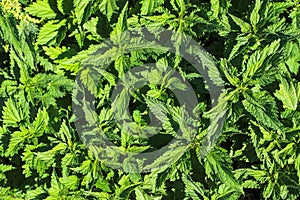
(256, 46)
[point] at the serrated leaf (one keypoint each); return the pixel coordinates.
(289, 94)
(108, 7)
(193, 189)
(15, 112)
(88, 79)
(257, 61)
(15, 142)
(245, 27)
(218, 162)
(149, 6)
(65, 6)
(56, 186)
(254, 16)
(41, 121)
(103, 185)
(263, 108)
(33, 194)
(141, 194)
(118, 34)
(41, 9)
(70, 182)
(268, 190)
(82, 10)
(50, 33)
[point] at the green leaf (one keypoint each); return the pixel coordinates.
(56, 186)
(35, 193)
(155, 93)
(87, 77)
(288, 93)
(141, 194)
(256, 65)
(15, 112)
(254, 17)
(41, 121)
(4, 168)
(51, 32)
(41, 9)
(292, 58)
(118, 35)
(193, 189)
(263, 108)
(219, 162)
(149, 6)
(65, 6)
(245, 27)
(70, 182)
(268, 190)
(108, 7)
(82, 10)
(103, 185)
(229, 72)
(121, 65)
(16, 142)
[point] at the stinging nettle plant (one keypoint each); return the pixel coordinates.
(255, 45)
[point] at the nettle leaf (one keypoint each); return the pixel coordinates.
(75, 63)
(53, 32)
(269, 189)
(229, 71)
(254, 16)
(292, 58)
(257, 63)
(59, 85)
(55, 52)
(217, 163)
(15, 112)
(41, 121)
(220, 10)
(56, 187)
(141, 194)
(244, 174)
(87, 77)
(294, 15)
(92, 27)
(289, 94)
(41, 157)
(263, 108)
(103, 185)
(122, 64)
(108, 7)
(149, 6)
(65, 6)
(35, 193)
(225, 192)
(82, 10)
(245, 27)
(42, 9)
(70, 182)
(118, 34)
(4, 168)
(65, 133)
(238, 47)
(49, 156)
(194, 189)
(8, 87)
(16, 141)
